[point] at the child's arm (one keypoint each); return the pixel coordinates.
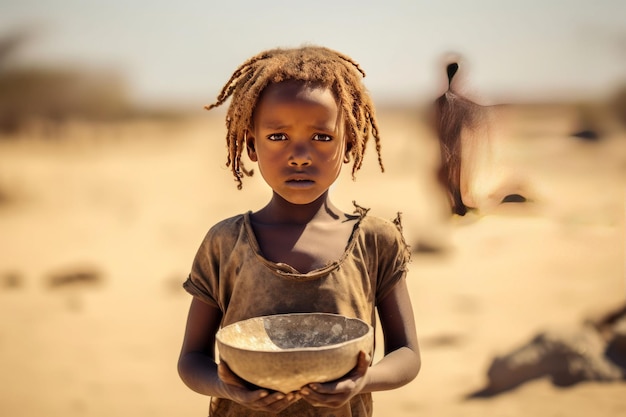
(399, 366)
(402, 361)
(198, 369)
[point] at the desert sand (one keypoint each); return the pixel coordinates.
(98, 230)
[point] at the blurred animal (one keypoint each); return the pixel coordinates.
(593, 351)
(473, 143)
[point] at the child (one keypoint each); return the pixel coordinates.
(299, 113)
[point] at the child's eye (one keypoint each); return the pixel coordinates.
(277, 136)
(322, 138)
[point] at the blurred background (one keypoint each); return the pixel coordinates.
(179, 55)
(111, 173)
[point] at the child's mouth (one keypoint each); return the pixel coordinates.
(300, 182)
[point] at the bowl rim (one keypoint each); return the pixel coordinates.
(370, 330)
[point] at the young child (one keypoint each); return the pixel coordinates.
(300, 114)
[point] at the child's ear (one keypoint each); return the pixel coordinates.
(250, 141)
(349, 144)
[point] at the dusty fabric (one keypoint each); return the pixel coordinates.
(361, 405)
(230, 272)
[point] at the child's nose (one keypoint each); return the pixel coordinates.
(300, 155)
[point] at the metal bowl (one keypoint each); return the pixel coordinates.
(284, 352)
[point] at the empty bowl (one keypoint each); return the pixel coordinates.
(284, 352)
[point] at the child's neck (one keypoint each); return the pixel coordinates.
(280, 211)
(306, 237)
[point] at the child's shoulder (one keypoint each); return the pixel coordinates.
(385, 235)
(235, 221)
(227, 229)
(380, 226)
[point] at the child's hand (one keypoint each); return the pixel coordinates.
(251, 396)
(336, 393)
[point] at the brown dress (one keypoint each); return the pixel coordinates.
(230, 273)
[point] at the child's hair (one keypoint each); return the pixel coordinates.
(314, 65)
(453, 113)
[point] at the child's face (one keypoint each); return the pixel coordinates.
(298, 140)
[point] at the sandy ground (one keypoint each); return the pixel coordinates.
(124, 210)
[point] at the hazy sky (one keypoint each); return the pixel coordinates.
(186, 50)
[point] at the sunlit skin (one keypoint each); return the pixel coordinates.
(299, 144)
(298, 140)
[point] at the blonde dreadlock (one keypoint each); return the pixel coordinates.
(310, 64)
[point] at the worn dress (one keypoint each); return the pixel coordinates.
(229, 272)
